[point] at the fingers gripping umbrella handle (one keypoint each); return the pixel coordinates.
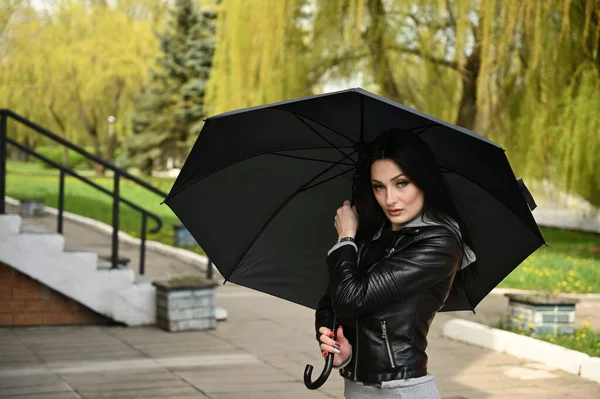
(322, 378)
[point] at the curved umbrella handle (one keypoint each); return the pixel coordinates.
(322, 378)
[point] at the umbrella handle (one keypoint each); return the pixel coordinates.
(322, 378)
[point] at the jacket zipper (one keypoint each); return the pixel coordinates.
(356, 353)
(387, 342)
(389, 252)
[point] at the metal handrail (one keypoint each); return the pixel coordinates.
(118, 173)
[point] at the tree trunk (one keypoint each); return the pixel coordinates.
(467, 112)
(112, 146)
(99, 168)
(380, 63)
(146, 168)
(596, 28)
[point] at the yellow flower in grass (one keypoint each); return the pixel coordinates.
(558, 284)
(521, 317)
(531, 325)
(551, 339)
(586, 324)
(571, 273)
(583, 335)
(598, 344)
(577, 338)
(564, 283)
(556, 291)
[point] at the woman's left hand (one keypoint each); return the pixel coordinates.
(346, 220)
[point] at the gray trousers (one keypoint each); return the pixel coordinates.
(412, 388)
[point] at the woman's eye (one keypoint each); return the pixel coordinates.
(378, 187)
(401, 183)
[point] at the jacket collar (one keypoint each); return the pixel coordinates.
(423, 220)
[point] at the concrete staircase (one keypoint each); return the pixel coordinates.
(117, 294)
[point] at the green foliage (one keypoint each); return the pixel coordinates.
(170, 110)
(57, 154)
(70, 65)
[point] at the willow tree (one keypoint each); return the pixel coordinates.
(260, 54)
(73, 65)
(515, 71)
(553, 128)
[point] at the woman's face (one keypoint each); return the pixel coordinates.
(399, 198)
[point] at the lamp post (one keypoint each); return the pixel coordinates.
(111, 126)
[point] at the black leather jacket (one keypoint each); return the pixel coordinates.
(386, 299)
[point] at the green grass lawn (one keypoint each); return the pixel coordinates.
(570, 263)
(25, 181)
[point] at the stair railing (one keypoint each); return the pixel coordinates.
(64, 170)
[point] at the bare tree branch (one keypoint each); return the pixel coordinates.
(429, 57)
(451, 16)
(435, 26)
(319, 70)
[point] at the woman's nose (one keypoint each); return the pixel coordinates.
(390, 199)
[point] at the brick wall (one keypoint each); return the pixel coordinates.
(27, 302)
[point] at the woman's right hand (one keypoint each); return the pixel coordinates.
(341, 348)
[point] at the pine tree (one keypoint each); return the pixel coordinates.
(170, 110)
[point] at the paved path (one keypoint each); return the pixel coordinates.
(259, 352)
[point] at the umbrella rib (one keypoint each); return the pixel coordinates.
(423, 129)
(298, 114)
(312, 159)
(190, 183)
(325, 181)
(266, 224)
(319, 134)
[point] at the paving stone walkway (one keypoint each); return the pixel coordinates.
(259, 352)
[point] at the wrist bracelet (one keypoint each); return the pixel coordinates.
(345, 239)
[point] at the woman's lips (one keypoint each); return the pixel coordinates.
(394, 212)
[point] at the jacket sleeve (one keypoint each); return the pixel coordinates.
(324, 315)
(420, 266)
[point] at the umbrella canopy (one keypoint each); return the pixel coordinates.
(261, 185)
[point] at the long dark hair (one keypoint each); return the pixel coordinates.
(419, 163)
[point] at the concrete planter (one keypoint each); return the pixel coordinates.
(31, 207)
(542, 313)
(182, 237)
(186, 304)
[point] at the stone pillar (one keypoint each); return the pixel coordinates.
(186, 303)
(542, 313)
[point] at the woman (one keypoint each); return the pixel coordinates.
(393, 267)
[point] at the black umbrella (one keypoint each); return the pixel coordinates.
(261, 185)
